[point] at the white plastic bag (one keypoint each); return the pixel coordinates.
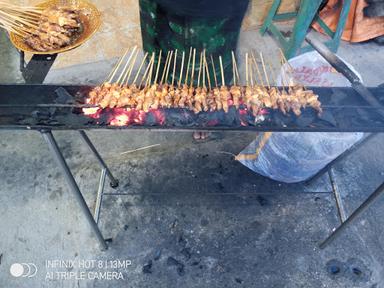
(294, 157)
(311, 69)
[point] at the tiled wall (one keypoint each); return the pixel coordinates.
(121, 28)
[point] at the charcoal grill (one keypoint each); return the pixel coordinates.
(45, 108)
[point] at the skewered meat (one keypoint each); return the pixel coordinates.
(224, 97)
(217, 97)
(183, 96)
(177, 97)
(236, 94)
(198, 98)
(190, 97)
(58, 27)
(211, 101)
(149, 98)
(248, 96)
(255, 98)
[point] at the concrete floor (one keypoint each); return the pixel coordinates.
(186, 214)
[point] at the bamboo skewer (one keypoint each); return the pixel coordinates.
(34, 17)
(189, 62)
(174, 67)
(193, 66)
(203, 67)
(169, 64)
(236, 69)
(117, 66)
(257, 74)
(20, 18)
(222, 71)
(198, 77)
(126, 65)
(141, 66)
(131, 68)
(16, 19)
(6, 4)
(181, 69)
(146, 70)
(9, 25)
(291, 70)
(208, 76)
(265, 71)
(246, 70)
(10, 29)
(272, 73)
(150, 75)
(165, 68)
(257, 69)
(251, 75)
(214, 70)
(233, 71)
(158, 68)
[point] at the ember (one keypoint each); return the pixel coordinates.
(119, 116)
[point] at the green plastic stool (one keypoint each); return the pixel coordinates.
(304, 17)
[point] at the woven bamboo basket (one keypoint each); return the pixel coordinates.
(90, 19)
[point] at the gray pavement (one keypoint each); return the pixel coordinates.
(186, 214)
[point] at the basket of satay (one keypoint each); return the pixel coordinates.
(54, 26)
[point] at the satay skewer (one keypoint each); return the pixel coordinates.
(193, 66)
(198, 77)
(251, 74)
(15, 26)
(202, 66)
(222, 71)
(174, 68)
(285, 61)
(236, 69)
(117, 66)
(246, 70)
(189, 62)
(130, 69)
(10, 29)
(181, 69)
(140, 67)
(207, 69)
(18, 21)
(146, 71)
(265, 71)
(126, 65)
(257, 69)
(273, 75)
(165, 68)
(168, 68)
(214, 70)
(233, 71)
(157, 69)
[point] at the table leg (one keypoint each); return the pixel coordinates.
(48, 137)
(114, 182)
(373, 197)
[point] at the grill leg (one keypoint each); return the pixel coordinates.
(374, 196)
(48, 137)
(114, 182)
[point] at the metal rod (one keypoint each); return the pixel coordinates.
(114, 182)
(343, 68)
(49, 105)
(364, 206)
(99, 196)
(48, 137)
